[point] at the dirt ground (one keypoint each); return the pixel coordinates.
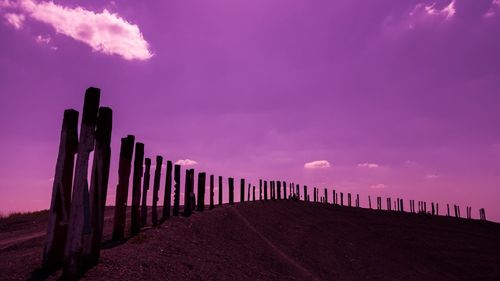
(279, 241)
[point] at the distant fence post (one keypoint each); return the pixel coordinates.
(242, 190)
(212, 186)
(284, 191)
(314, 196)
(326, 196)
(230, 182)
(279, 190)
(265, 190)
(145, 188)
(167, 198)
(341, 199)
(135, 219)
(156, 189)
(187, 193)
(220, 190)
(306, 197)
(349, 199)
(60, 204)
(248, 194)
(260, 189)
(253, 193)
(177, 190)
(79, 216)
(369, 202)
(357, 200)
(201, 192)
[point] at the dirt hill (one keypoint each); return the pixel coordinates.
(279, 241)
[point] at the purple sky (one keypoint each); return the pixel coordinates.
(400, 97)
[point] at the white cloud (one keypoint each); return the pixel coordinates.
(319, 164)
(43, 39)
(104, 32)
(495, 5)
(16, 20)
(379, 186)
(186, 162)
(368, 165)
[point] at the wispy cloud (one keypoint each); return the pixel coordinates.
(379, 186)
(431, 177)
(368, 165)
(104, 32)
(186, 162)
(16, 20)
(318, 164)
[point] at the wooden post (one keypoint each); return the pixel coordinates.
(145, 188)
(279, 189)
(349, 200)
(265, 190)
(284, 191)
(177, 190)
(135, 225)
(333, 197)
(187, 193)
(231, 190)
(79, 216)
(156, 190)
(248, 194)
(167, 198)
(357, 200)
(260, 189)
(99, 186)
(220, 190)
(306, 197)
(60, 204)
(242, 190)
(212, 191)
(326, 196)
(314, 195)
(341, 199)
(253, 193)
(369, 202)
(201, 192)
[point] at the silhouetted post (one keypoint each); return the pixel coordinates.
(167, 198)
(145, 188)
(177, 190)
(369, 202)
(60, 204)
(432, 210)
(425, 207)
(248, 194)
(231, 191)
(298, 191)
(349, 199)
(357, 200)
(388, 202)
(260, 189)
(326, 196)
(306, 197)
(220, 190)
(79, 215)
(482, 214)
(279, 190)
(135, 219)
(212, 186)
(253, 193)
(201, 192)
(242, 190)
(188, 190)
(341, 199)
(437, 209)
(402, 205)
(265, 190)
(156, 190)
(284, 191)
(98, 186)
(448, 210)
(334, 193)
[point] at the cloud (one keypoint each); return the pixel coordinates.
(104, 32)
(319, 164)
(186, 162)
(379, 186)
(495, 6)
(431, 177)
(16, 20)
(43, 39)
(368, 165)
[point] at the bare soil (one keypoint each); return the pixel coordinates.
(279, 241)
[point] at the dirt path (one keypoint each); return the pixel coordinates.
(305, 273)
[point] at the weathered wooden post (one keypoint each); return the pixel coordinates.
(402, 205)
(126, 151)
(177, 189)
(349, 200)
(326, 196)
(60, 204)
(201, 192)
(306, 197)
(220, 190)
(333, 197)
(437, 209)
(145, 188)
(253, 192)
(231, 190)
(167, 198)
(156, 190)
(99, 186)
(188, 190)
(242, 190)
(341, 199)
(357, 200)
(314, 196)
(284, 191)
(248, 194)
(135, 219)
(260, 189)
(279, 190)
(432, 208)
(79, 215)
(369, 202)
(265, 190)
(212, 186)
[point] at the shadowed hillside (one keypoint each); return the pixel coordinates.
(292, 241)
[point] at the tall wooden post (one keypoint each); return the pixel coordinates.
(167, 198)
(260, 189)
(326, 196)
(145, 188)
(79, 216)
(201, 192)
(212, 191)
(265, 190)
(177, 189)
(220, 190)
(135, 224)
(248, 194)
(188, 191)
(231, 190)
(60, 204)
(156, 190)
(242, 190)
(306, 197)
(253, 193)
(284, 191)
(126, 150)
(279, 190)
(99, 186)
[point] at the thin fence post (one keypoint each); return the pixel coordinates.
(248, 193)
(260, 189)
(126, 151)
(60, 204)
(306, 196)
(253, 193)
(177, 190)
(279, 190)
(242, 190)
(79, 216)
(265, 190)
(167, 198)
(187, 194)
(231, 191)
(201, 192)
(212, 186)
(220, 190)
(156, 189)
(145, 188)
(135, 219)
(369, 202)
